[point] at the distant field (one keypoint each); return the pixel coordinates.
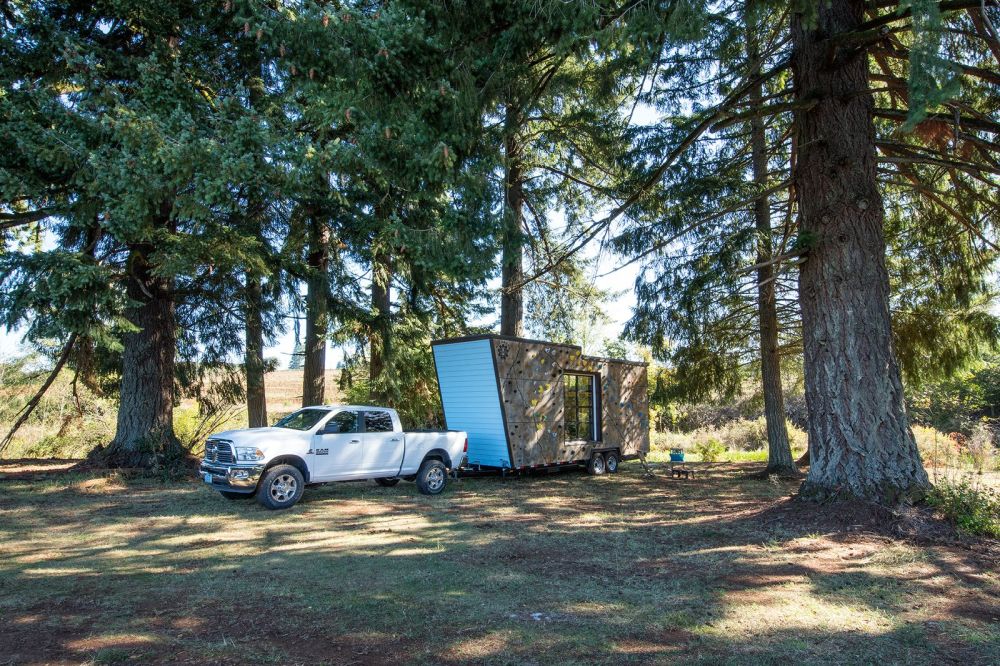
(284, 390)
(560, 569)
(57, 429)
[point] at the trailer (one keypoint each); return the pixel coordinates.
(529, 404)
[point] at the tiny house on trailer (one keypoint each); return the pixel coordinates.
(529, 403)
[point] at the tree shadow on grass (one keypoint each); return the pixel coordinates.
(562, 569)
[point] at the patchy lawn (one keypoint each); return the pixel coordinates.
(565, 568)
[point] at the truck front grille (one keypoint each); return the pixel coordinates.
(219, 452)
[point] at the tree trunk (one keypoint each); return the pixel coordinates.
(254, 356)
(145, 432)
(380, 340)
(779, 454)
(314, 361)
(860, 440)
(254, 349)
(511, 291)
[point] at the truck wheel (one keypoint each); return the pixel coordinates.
(596, 465)
(611, 461)
(230, 495)
(431, 477)
(281, 487)
(387, 482)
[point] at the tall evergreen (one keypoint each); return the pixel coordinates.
(131, 144)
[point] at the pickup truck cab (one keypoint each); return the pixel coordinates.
(328, 443)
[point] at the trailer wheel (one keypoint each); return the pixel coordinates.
(597, 464)
(611, 461)
(387, 482)
(432, 477)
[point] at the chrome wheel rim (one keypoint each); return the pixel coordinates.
(612, 463)
(435, 478)
(598, 464)
(283, 488)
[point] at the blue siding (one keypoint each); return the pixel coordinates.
(471, 402)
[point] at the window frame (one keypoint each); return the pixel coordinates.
(381, 412)
(595, 403)
(358, 423)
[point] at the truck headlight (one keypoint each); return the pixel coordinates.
(248, 453)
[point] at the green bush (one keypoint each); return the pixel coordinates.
(709, 450)
(973, 509)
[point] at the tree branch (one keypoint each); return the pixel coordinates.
(35, 399)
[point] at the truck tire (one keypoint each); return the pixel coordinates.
(281, 487)
(432, 477)
(388, 482)
(597, 464)
(231, 495)
(611, 462)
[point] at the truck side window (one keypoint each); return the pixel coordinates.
(378, 422)
(341, 422)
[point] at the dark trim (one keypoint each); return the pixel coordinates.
(512, 338)
(363, 422)
(494, 336)
(605, 359)
(596, 404)
(503, 410)
(437, 375)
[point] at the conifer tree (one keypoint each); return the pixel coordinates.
(131, 173)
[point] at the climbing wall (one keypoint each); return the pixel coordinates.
(530, 375)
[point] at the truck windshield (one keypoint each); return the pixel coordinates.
(304, 419)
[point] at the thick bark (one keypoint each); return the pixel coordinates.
(314, 361)
(860, 440)
(380, 340)
(254, 356)
(145, 433)
(511, 290)
(779, 454)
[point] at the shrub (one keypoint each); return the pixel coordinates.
(797, 438)
(745, 435)
(936, 448)
(709, 450)
(973, 509)
(665, 441)
(979, 447)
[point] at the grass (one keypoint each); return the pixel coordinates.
(59, 428)
(561, 569)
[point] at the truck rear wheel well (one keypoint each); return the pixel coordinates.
(439, 454)
(294, 461)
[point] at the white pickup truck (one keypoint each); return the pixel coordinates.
(331, 443)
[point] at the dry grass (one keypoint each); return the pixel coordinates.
(61, 428)
(284, 390)
(560, 569)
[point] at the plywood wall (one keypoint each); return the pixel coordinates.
(531, 392)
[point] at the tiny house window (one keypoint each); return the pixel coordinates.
(578, 407)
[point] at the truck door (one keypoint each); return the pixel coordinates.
(338, 450)
(383, 445)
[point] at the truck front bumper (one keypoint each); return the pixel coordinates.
(231, 478)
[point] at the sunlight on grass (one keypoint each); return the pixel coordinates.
(557, 569)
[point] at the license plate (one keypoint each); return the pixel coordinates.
(208, 477)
